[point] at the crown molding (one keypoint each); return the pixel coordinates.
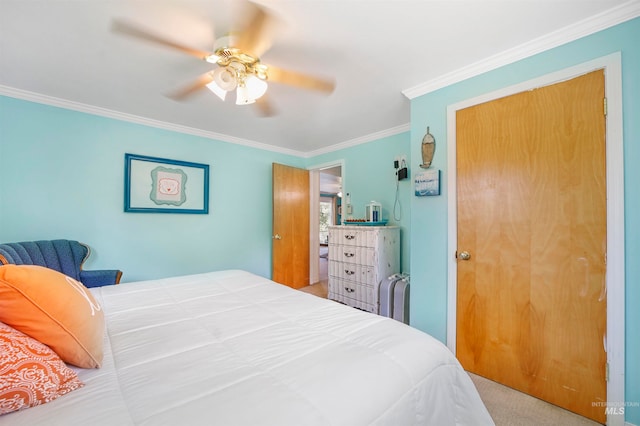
(360, 140)
(104, 112)
(609, 18)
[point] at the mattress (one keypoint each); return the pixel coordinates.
(233, 348)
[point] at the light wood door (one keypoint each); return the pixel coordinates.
(290, 247)
(531, 191)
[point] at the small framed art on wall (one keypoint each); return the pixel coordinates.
(161, 185)
(427, 183)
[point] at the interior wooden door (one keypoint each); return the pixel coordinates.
(290, 239)
(531, 191)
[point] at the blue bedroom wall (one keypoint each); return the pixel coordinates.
(429, 249)
(369, 175)
(62, 176)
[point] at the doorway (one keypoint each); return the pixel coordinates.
(614, 344)
(326, 183)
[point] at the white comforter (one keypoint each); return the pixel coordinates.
(233, 348)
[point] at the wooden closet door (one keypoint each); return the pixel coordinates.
(290, 239)
(531, 301)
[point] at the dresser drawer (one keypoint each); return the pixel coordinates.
(358, 295)
(353, 290)
(352, 236)
(353, 254)
(352, 272)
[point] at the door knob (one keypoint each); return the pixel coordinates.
(277, 237)
(464, 255)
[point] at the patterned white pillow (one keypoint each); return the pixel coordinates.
(30, 372)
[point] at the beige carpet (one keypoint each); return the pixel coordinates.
(509, 407)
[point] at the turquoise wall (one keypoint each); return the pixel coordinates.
(62, 176)
(429, 251)
(369, 175)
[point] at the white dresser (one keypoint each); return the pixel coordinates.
(359, 258)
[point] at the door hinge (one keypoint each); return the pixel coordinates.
(605, 106)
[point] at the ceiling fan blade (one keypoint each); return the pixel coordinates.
(255, 38)
(264, 106)
(197, 84)
(298, 79)
(125, 28)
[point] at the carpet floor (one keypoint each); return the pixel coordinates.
(509, 407)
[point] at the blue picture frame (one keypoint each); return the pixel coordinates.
(161, 185)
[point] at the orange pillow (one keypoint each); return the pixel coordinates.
(54, 309)
(30, 373)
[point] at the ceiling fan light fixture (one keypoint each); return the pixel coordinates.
(255, 86)
(221, 93)
(237, 63)
(242, 95)
(225, 78)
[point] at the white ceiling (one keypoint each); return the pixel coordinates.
(380, 53)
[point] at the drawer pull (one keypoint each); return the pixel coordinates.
(349, 237)
(349, 290)
(348, 272)
(349, 254)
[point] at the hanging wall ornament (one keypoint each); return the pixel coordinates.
(428, 149)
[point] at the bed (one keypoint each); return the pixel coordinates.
(234, 348)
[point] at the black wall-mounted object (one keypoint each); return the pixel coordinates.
(402, 173)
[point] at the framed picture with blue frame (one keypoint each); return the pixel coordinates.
(161, 185)
(427, 183)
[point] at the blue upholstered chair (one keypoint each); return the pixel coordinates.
(65, 256)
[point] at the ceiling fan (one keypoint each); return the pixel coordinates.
(239, 67)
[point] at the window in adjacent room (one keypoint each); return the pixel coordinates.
(326, 218)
